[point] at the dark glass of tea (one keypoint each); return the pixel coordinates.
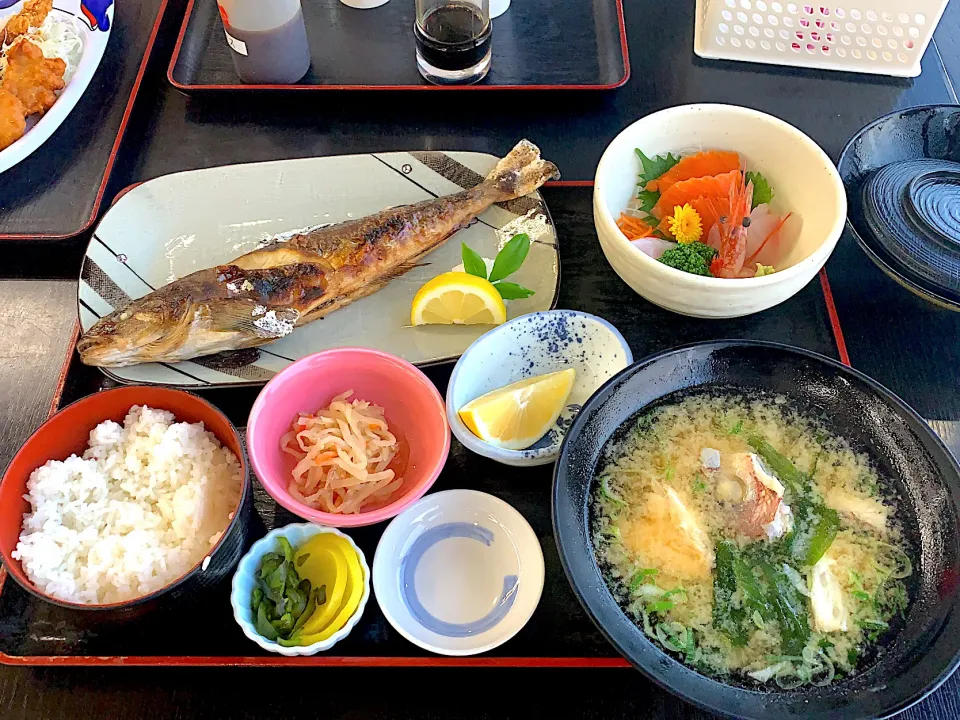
(453, 40)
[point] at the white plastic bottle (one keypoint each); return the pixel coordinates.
(267, 39)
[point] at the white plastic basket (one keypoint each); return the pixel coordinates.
(884, 37)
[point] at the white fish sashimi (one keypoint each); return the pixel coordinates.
(653, 246)
(762, 223)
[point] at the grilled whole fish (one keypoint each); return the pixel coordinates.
(265, 294)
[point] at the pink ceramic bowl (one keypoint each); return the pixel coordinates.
(412, 405)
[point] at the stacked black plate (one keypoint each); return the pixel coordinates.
(902, 175)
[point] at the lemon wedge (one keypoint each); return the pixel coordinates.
(516, 416)
(457, 298)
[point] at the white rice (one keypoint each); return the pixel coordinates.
(142, 506)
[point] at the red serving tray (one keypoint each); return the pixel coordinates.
(71, 363)
(51, 208)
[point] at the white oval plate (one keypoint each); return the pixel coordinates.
(459, 572)
(173, 225)
(87, 16)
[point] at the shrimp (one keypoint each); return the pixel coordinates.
(733, 233)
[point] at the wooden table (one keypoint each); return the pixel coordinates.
(903, 342)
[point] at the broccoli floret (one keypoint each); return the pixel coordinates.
(692, 257)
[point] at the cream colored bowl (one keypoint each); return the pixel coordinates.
(804, 179)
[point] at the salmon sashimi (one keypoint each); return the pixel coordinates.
(709, 209)
(703, 164)
(263, 295)
(682, 192)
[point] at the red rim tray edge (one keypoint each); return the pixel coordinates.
(182, 87)
(134, 92)
(352, 661)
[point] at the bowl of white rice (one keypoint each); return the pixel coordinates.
(123, 497)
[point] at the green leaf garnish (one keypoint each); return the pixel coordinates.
(507, 262)
(647, 198)
(641, 575)
(607, 492)
(661, 606)
(472, 262)
(762, 192)
(656, 166)
(511, 257)
(512, 291)
(699, 484)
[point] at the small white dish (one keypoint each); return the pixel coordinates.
(92, 22)
(804, 179)
(530, 345)
(459, 572)
(364, 4)
(498, 7)
(243, 583)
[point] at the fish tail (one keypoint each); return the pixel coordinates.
(521, 172)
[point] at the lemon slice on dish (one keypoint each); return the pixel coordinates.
(516, 416)
(457, 298)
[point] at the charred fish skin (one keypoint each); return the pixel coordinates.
(263, 295)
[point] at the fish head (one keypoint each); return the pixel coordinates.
(137, 333)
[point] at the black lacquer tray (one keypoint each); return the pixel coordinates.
(559, 634)
(57, 192)
(537, 44)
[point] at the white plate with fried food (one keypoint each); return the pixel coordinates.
(49, 52)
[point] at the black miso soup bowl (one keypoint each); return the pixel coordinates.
(915, 656)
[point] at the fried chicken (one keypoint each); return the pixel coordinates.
(12, 119)
(33, 13)
(32, 77)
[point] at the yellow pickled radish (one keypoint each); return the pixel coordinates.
(518, 415)
(325, 564)
(351, 597)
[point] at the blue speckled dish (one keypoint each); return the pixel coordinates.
(530, 345)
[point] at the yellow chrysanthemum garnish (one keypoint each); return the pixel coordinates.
(685, 224)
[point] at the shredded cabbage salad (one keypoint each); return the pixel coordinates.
(59, 36)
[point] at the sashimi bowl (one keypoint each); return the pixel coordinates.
(348, 437)
(807, 194)
(115, 459)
